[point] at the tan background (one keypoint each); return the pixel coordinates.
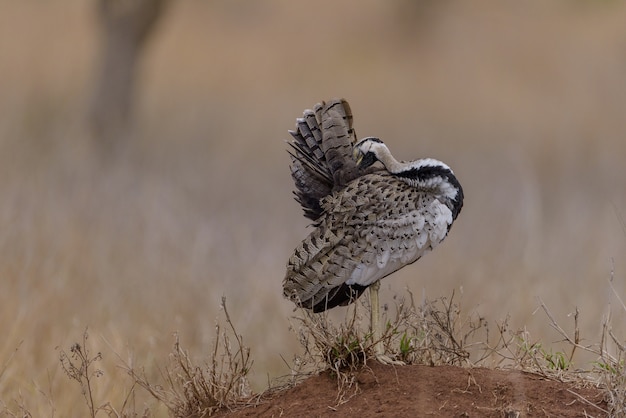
(526, 103)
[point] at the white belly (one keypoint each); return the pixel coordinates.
(404, 241)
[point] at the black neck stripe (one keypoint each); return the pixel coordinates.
(426, 172)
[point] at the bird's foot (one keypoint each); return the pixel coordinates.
(388, 361)
(382, 358)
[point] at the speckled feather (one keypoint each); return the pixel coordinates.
(321, 154)
(368, 223)
(374, 226)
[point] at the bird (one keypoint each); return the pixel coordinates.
(372, 214)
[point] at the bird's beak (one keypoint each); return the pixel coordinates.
(357, 155)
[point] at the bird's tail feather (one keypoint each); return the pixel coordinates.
(321, 153)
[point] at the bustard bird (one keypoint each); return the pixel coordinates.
(370, 219)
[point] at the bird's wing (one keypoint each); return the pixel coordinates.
(394, 224)
(371, 228)
(321, 154)
(315, 269)
(338, 138)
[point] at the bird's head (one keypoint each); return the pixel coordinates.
(366, 151)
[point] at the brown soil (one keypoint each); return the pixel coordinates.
(422, 391)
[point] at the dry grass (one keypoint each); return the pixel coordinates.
(79, 366)
(184, 388)
(525, 103)
(189, 390)
(441, 333)
(433, 333)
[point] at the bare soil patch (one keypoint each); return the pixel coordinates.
(442, 391)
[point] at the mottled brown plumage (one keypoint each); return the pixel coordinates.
(322, 154)
(371, 228)
(369, 221)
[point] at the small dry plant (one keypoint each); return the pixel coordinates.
(80, 366)
(342, 349)
(436, 333)
(607, 372)
(200, 391)
(431, 333)
(611, 360)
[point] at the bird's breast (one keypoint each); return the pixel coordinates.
(390, 243)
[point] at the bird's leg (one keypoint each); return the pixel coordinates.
(377, 335)
(379, 349)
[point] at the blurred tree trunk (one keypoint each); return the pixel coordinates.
(125, 27)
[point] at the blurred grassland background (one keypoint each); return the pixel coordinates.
(526, 101)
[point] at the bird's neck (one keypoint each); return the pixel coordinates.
(391, 164)
(425, 174)
(438, 178)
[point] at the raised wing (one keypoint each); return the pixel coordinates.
(321, 154)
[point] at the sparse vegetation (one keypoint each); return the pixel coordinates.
(439, 333)
(79, 366)
(432, 333)
(191, 390)
(185, 388)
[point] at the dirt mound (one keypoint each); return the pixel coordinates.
(431, 391)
